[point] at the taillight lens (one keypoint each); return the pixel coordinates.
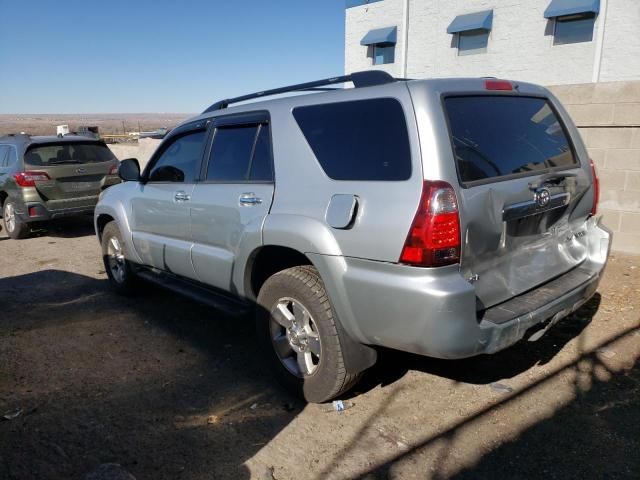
(596, 188)
(114, 169)
(493, 84)
(29, 179)
(434, 238)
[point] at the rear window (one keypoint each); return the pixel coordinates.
(359, 140)
(68, 153)
(497, 136)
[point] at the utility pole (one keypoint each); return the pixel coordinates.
(124, 132)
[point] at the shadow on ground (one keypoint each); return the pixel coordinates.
(70, 227)
(153, 383)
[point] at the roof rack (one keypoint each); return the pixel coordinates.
(359, 79)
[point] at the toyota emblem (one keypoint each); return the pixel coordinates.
(80, 170)
(542, 197)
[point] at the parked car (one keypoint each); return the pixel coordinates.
(44, 178)
(448, 218)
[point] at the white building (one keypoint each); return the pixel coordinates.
(549, 42)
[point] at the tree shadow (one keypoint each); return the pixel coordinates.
(593, 436)
(159, 384)
(392, 365)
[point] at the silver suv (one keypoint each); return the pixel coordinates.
(448, 218)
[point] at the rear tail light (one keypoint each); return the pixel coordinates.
(493, 84)
(434, 238)
(29, 179)
(114, 169)
(596, 188)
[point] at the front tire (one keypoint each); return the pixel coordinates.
(15, 227)
(120, 271)
(298, 333)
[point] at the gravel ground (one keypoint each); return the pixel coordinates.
(167, 388)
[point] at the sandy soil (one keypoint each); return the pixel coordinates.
(170, 389)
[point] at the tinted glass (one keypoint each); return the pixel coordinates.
(382, 55)
(4, 150)
(231, 153)
(261, 165)
(361, 140)
(496, 136)
(11, 158)
(574, 30)
(474, 41)
(180, 162)
(68, 153)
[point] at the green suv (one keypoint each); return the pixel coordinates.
(44, 178)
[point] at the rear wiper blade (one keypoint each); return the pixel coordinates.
(552, 177)
(65, 161)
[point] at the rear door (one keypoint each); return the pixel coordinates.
(230, 204)
(76, 171)
(523, 193)
(160, 218)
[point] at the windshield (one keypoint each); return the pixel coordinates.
(498, 136)
(68, 153)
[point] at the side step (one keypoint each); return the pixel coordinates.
(221, 301)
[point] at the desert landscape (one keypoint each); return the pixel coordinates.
(109, 124)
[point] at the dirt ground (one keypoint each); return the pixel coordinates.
(170, 389)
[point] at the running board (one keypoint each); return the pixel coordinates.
(218, 300)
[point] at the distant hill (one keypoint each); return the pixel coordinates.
(109, 123)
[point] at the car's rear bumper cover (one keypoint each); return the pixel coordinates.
(433, 311)
(37, 212)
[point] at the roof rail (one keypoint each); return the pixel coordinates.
(359, 79)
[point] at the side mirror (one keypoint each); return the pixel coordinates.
(129, 170)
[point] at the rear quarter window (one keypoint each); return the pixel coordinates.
(498, 136)
(358, 140)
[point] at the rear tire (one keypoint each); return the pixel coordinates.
(298, 334)
(121, 273)
(15, 227)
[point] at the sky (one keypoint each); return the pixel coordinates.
(135, 56)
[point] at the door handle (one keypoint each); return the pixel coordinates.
(181, 197)
(249, 199)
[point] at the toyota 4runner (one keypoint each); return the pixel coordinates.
(448, 217)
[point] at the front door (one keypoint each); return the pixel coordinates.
(160, 220)
(229, 206)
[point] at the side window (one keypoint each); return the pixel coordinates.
(12, 158)
(240, 153)
(261, 170)
(4, 154)
(358, 140)
(180, 161)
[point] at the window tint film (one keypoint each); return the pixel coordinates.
(261, 165)
(4, 150)
(574, 30)
(496, 136)
(472, 42)
(180, 161)
(68, 153)
(359, 140)
(231, 153)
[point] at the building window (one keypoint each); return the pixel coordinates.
(574, 29)
(472, 42)
(382, 54)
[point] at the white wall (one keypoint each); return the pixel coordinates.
(520, 44)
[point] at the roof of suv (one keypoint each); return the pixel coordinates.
(363, 81)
